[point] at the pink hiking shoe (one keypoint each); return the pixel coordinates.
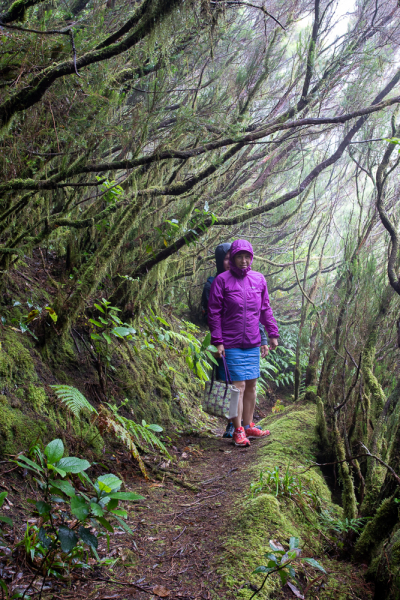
(254, 432)
(240, 438)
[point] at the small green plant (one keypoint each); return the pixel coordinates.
(3, 518)
(285, 485)
(108, 323)
(282, 562)
(342, 526)
(157, 331)
(68, 514)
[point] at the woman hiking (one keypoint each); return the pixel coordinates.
(222, 255)
(238, 302)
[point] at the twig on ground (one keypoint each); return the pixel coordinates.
(177, 537)
(220, 477)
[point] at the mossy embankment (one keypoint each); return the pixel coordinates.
(293, 442)
(30, 411)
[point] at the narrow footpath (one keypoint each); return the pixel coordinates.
(204, 543)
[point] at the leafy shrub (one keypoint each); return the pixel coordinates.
(68, 514)
(282, 562)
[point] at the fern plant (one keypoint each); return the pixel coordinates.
(108, 419)
(73, 399)
(142, 433)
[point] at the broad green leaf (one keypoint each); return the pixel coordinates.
(54, 451)
(79, 508)
(154, 427)
(108, 483)
(57, 470)
(46, 541)
(95, 322)
(292, 572)
(123, 331)
(262, 570)
(105, 524)
(6, 520)
(206, 341)
(126, 496)
(70, 464)
(96, 509)
(120, 513)
(64, 486)
(2, 583)
(99, 308)
(3, 496)
(106, 337)
(43, 508)
(88, 538)
(111, 503)
(95, 336)
(271, 557)
(68, 539)
(314, 563)
(294, 543)
(283, 574)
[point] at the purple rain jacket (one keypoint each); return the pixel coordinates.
(238, 302)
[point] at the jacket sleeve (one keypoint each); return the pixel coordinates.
(266, 316)
(264, 339)
(215, 310)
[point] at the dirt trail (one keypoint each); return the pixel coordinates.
(179, 546)
(179, 534)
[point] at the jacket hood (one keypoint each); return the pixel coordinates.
(240, 246)
(220, 253)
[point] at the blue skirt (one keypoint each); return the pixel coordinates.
(243, 364)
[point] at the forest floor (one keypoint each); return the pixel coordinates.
(181, 537)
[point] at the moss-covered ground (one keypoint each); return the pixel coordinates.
(263, 516)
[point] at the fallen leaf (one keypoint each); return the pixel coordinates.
(295, 591)
(184, 455)
(161, 591)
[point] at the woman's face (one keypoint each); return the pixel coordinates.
(242, 260)
(226, 260)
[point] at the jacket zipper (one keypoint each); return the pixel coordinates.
(245, 311)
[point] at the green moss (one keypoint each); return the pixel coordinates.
(320, 427)
(377, 529)
(18, 430)
(348, 493)
(266, 517)
(37, 397)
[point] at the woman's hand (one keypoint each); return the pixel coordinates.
(273, 343)
(264, 351)
(220, 351)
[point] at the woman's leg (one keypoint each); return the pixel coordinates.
(241, 387)
(249, 401)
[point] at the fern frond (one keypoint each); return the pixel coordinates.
(120, 431)
(139, 431)
(73, 399)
